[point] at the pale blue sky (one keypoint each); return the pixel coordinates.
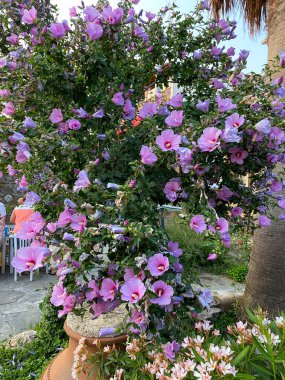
(257, 57)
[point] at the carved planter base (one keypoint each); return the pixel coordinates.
(60, 368)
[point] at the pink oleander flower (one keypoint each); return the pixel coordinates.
(168, 140)
(56, 116)
(118, 99)
(263, 221)
(236, 211)
(238, 155)
(158, 264)
(209, 140)
(198, 223)
(57, 30)
(147, 155)
(68, 305)
(108, 289)
(93, 291)
(234, 120)
(174, 249)
(78, 222)
(58, 294)
(164, 292)
(175, 119)
(224, 194)
(133, 290)
(27, 259)
(9, 109)
(29, 16)
(82, 181)
(212, 257)
(171, 188)
(94, 30)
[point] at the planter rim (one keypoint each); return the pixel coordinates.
(89, 340)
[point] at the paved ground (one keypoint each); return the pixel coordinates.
(19, 302)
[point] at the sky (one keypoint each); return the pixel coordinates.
(258, 51)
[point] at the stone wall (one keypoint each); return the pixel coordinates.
(8, 187)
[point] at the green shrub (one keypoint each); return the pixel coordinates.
(238, 273)
(27, 362)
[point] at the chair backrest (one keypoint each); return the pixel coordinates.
(21, 243)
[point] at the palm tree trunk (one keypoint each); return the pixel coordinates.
(276, 30)
(266, 278)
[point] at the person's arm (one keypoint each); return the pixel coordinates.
(13, 217)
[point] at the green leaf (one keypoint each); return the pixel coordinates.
(262, 370)
(245, 376)
(241, 355)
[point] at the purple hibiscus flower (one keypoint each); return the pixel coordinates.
(164, 293)
(203, 106)
(171, 188)
(174, 249)
(133, 290)
(237, 155)
(148, 109)
(108, 289)
(158, 264)
(57, 30)
(94, 30)
(28, 259)
(209, 140)
(224, 194)
(147, 155)
(198, 224)
(263, 221)
(29, 16)
(225, 105)
(175, 119)
(56, 116)
(82, 181)
(168, 140)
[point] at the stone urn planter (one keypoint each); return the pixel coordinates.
(77, 327)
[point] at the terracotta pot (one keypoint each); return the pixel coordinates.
(60, 367)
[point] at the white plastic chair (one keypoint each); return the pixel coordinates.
(17, 244)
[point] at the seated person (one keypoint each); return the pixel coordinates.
(21, 213)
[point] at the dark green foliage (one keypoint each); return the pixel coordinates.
(27, 362)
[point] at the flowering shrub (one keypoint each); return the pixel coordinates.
(252, 350)
(97, 160)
